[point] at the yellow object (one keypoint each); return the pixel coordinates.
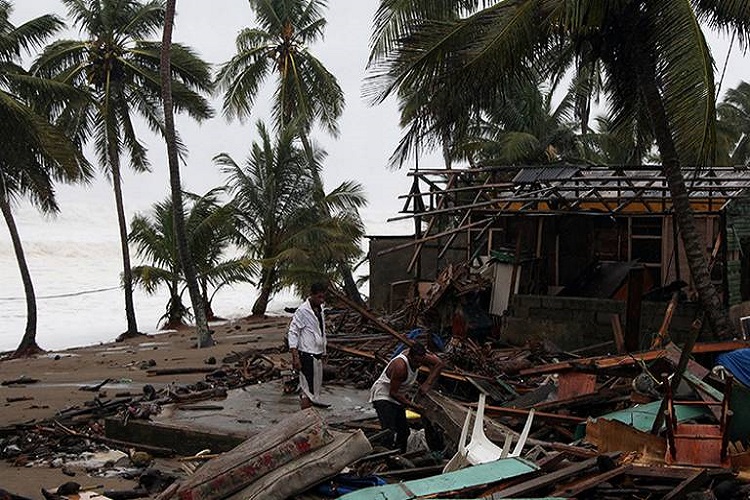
(412, 415)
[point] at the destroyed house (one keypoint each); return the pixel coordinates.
(566, 231)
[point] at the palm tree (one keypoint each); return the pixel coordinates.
(652, 52)
(332, 245)
(183, 250)
(273, 195)
(34, 153)
(523, 128)
(119, 68)
(210, 228)
(609, 144)
(305, 90)
(734, 121)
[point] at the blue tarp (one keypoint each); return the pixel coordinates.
(738, 363)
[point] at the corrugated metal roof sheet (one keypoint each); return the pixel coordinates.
(530, 175)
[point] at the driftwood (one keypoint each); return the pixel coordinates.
(179, 371)
(22, 380)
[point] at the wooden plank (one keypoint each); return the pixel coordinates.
(368, 315)
(611, 435)
(571, 384)
(538, 415)
(549, 479)
(663, 333)
(674, 473)
(431, 237)
(604, 362)
(444, 373)
(695, 481)
(618, 334)
(578, 487)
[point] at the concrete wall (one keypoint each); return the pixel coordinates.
(572, 322)
(391, 267)
(737, 218)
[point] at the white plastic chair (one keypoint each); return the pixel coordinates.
(481, 450)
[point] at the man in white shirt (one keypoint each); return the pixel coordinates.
(307, 343)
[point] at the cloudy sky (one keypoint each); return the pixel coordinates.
(368, 134)
(80, 249)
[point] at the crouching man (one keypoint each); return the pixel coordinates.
(387, 394)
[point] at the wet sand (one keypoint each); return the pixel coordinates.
(62, 373)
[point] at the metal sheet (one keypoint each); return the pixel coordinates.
(463, 479)
(642, 416)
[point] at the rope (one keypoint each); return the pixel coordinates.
(63, 295)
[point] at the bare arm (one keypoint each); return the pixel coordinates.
(436, 366)
(397, 372)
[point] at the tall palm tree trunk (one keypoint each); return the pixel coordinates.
(175, 308)
(28, 345)
(127, 273)
(266, 287)
(709, 298)
(183, 249)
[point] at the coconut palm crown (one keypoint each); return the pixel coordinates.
(119, 67)
(305, 91)
(34, 152)
(210, 228)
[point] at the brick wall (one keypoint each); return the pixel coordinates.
(572, 322)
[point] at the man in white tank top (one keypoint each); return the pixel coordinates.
(387, 394)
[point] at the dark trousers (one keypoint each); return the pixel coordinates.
(392, 416)
(311, 375)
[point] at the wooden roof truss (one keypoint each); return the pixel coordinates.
(478, 196)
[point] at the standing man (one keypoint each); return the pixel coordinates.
(307, 342)
(387, 393)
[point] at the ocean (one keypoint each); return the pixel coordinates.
(75, 265)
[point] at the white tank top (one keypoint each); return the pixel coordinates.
(381, 389)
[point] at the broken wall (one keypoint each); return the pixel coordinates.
(390, 268)
(573, 322)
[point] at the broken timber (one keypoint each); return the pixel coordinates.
(604, 362)
(367, 314)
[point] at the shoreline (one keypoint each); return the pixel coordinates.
(61, 373)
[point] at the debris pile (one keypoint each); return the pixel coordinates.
(529, 421)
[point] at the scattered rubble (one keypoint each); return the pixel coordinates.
(655, 424)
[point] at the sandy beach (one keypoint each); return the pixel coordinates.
(61, 374)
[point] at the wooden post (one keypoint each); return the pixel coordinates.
(687, 349)
(516, 265)
(661, 337)
(617, 331)
(633, 309)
